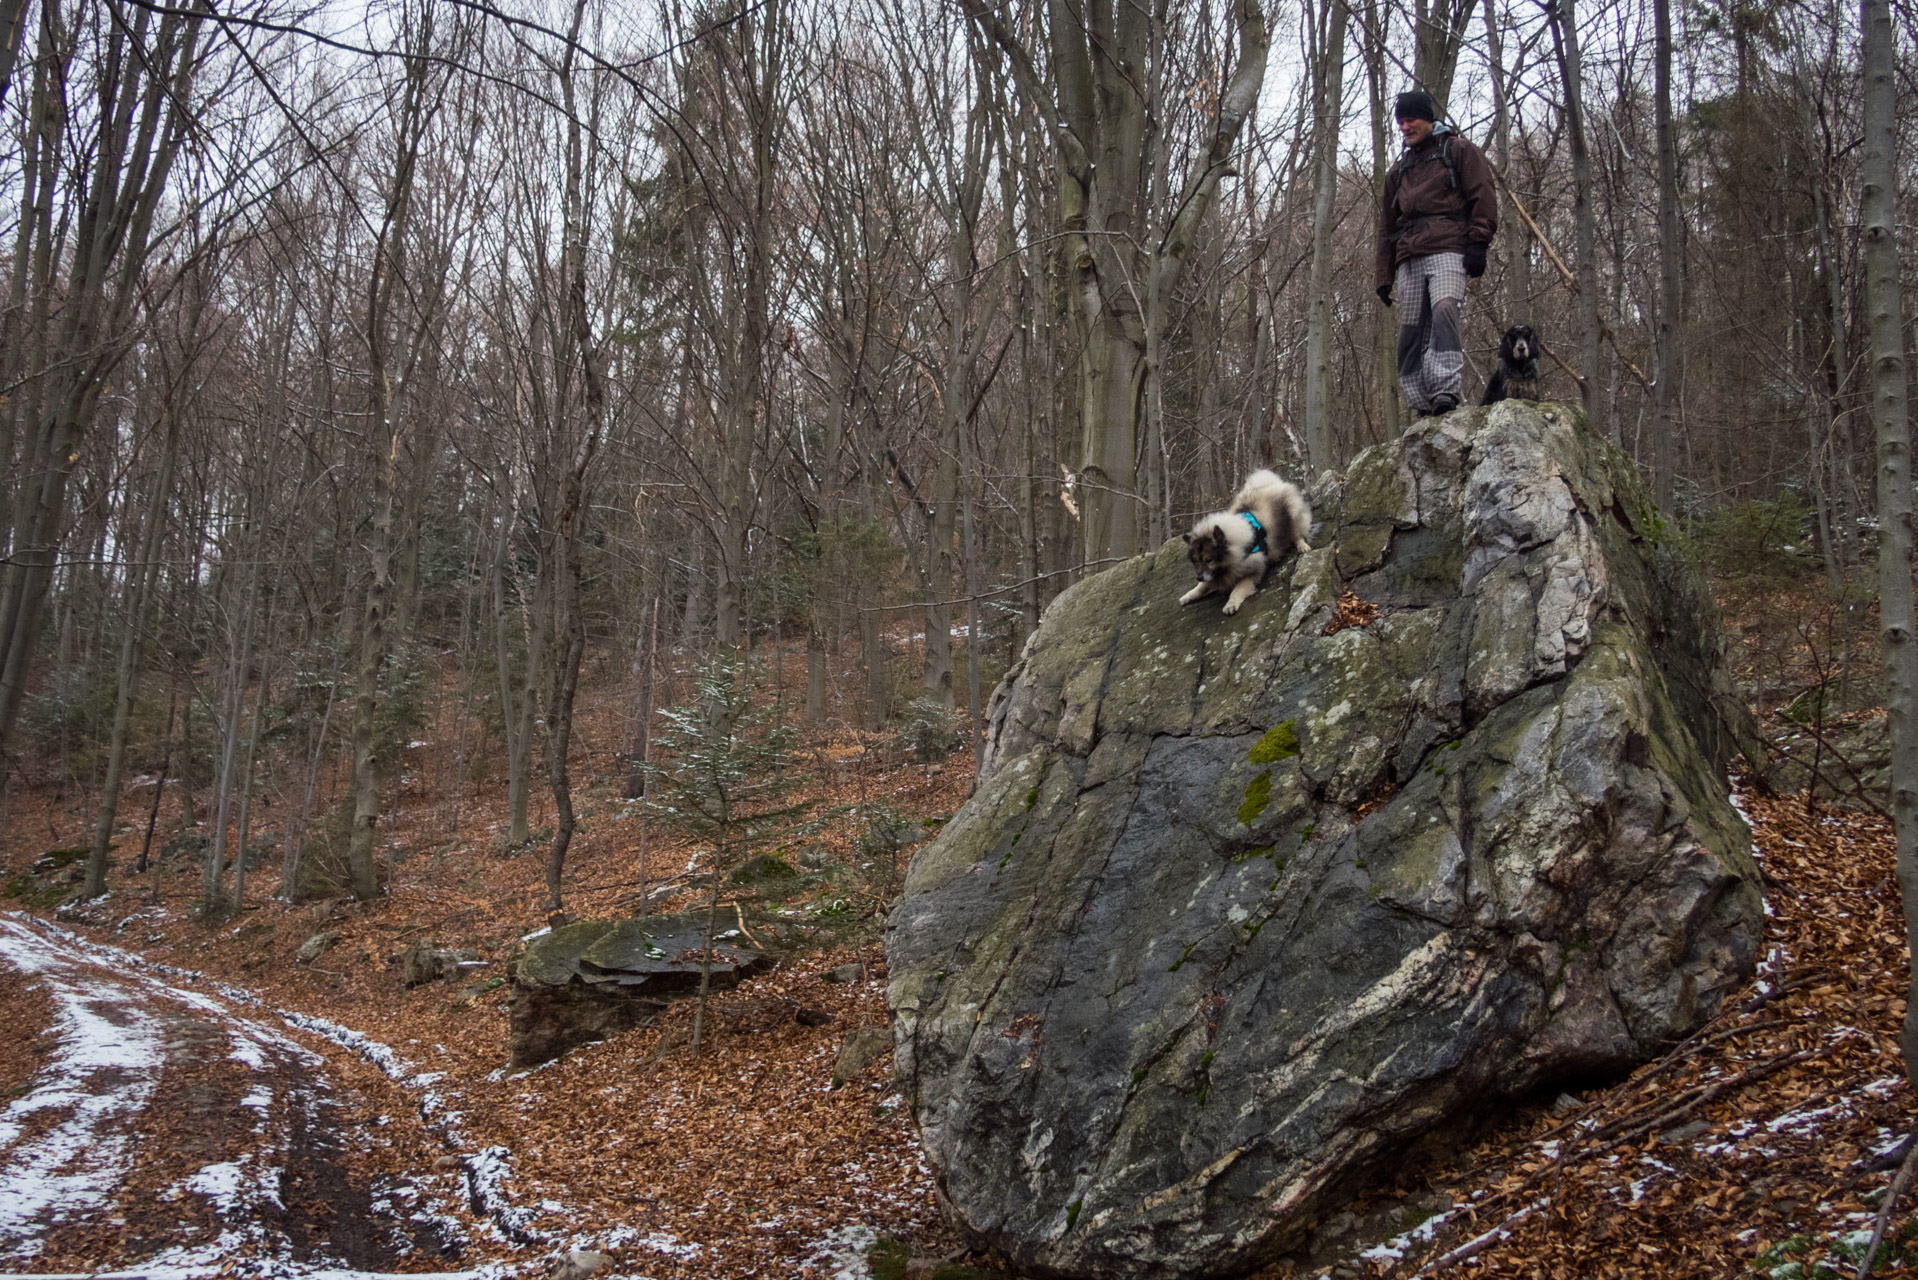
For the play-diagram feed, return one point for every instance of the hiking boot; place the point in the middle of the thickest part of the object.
(1444, 403)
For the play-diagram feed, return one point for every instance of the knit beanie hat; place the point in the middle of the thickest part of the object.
(1416, 105)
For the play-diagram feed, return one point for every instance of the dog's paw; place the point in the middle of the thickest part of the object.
(1232, 607)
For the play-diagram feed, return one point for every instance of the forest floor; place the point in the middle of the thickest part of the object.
(1762, 1146)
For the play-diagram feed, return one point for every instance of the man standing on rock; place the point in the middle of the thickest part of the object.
(1441, 212)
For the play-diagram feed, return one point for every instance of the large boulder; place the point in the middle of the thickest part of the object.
(587, 981)
(1247, 908)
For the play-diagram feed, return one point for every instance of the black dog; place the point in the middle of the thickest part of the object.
(1517, 373)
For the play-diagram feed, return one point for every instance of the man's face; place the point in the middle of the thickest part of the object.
(1414, 131)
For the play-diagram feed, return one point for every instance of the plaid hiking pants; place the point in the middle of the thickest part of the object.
(1430, 291)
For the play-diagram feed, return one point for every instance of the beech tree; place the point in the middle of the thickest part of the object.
(1094, 103)
(88, 225)
(1898, 624)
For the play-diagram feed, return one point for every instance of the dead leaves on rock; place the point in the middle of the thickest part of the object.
(1755, 1144)
(1351, 611)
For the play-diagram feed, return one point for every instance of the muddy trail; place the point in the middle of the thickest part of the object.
(165, 1126)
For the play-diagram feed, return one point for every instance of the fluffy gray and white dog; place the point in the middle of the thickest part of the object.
(1230, 550)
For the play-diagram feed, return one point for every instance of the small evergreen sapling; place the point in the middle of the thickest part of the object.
(718, 777)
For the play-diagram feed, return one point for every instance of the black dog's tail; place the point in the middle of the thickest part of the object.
(1495, 389)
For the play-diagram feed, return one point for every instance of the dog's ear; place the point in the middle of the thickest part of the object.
(1218, 537)
(1187, 537)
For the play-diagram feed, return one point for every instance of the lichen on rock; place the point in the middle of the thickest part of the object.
(1241, 911)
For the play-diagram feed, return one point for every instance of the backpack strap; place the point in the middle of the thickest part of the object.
(1443, 155)
(1407, 162)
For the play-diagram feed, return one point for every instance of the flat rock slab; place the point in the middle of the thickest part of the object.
(596, 978)
(1246, 909)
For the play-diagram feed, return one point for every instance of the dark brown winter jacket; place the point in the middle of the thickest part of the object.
(1425, 212)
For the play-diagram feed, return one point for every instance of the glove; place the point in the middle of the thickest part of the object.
(1385, 292)
(1475, 260)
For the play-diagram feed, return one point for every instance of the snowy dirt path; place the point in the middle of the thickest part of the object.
(167, 1131)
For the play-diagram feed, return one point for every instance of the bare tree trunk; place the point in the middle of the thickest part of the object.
(1328, 74)
(383, 288)
(141, 125)
(294, 857)
(580, 349)
(145, 574)
(1564, 24)
(239, 666)
(1098, 114)
(13, 27)
(959, 184)
(642, 753)
(1667, 357)
(1385, 332)
(516, 717)
(940, 554)
(572, 636)
(706, 952)
(1827, 418)
(1438, 34)
(159, 785)
(244, 824)
(1151, 515)
(1511, 229)
(1890, 419)
(372, 661)
(975, 712)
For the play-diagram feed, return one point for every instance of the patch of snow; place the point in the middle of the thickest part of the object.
(485, 1173)
(841, 1252)
(1638, 1186)
(670, 1245)
(247, 1051)
(1394, 1249)
(1806, 1120)
(102, 1071)
(220, 1183)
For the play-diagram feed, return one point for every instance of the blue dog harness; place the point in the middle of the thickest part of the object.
(1258, 533)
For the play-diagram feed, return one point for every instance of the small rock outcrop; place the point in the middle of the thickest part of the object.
(861, 1049)
(596, 978)
(317, 945)
(424, 961)
(1246, 908)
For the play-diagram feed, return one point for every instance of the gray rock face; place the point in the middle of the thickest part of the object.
(1246, 907)
(317, 945)
(423, 962)
(596, 978)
